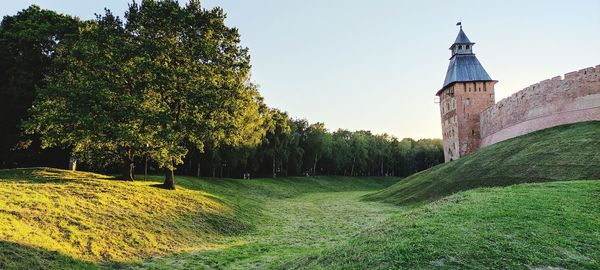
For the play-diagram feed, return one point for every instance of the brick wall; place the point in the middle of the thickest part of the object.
(553, 102)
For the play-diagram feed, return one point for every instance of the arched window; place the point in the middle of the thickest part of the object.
(467, 47)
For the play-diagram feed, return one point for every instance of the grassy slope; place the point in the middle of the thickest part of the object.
(294, 227)
(527, 226)
(51, 218)
(561, 153)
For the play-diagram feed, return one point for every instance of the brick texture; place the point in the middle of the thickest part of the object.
(460, 106)
(556, 101)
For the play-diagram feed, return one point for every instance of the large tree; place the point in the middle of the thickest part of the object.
(170, 78)
(93, 102)
(199, 81)
(28, 41)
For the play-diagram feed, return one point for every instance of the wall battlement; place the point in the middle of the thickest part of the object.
(552, 102)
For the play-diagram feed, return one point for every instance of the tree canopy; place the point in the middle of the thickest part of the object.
(29, 41)
(169, 79)
(169, 84)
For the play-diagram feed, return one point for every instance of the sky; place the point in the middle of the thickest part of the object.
(376, 65)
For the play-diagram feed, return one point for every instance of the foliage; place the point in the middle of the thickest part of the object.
(295, 147)
(529, 226)
(559, 153)
(90, 102)
(170, 79)
(29, 41)
(171, 85)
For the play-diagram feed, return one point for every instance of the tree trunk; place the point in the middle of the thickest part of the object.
(198, 170)
(352, 170)
(72, 164)
(169, 179)
(128, 166)
(274, 173)
(315, 166)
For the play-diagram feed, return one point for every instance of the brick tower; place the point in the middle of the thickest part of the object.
(467, 91)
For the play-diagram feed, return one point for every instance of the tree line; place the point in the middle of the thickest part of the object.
(168, 85)
(295, 147)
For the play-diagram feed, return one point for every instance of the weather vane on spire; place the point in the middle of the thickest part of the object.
(459, 23)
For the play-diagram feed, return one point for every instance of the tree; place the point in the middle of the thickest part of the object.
(277, 139)
(170, 78)
(199, 87)
(28, 41)
(359, 150)
(317, 144)
(93, 102)
(341, 151)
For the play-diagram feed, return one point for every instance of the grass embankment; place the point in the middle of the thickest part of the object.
(561, 153)
(294, 227)
(56, 219)
(529, 226)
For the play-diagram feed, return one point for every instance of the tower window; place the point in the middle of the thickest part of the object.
(467, 47)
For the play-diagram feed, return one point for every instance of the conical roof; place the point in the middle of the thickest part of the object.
(465, 68)
(462, 38)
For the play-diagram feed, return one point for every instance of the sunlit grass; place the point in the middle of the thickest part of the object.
(57, 219)
(88, 217)
(292, 228)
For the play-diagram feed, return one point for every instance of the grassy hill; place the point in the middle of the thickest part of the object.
(553, 225)
(57, 219)
(561, 153)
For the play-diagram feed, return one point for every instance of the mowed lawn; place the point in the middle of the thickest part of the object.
(56, 219)
(294, 227)
(543, 226)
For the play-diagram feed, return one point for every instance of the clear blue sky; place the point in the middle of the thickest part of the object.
(376, 65)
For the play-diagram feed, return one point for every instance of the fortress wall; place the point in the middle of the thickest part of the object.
(552, 102)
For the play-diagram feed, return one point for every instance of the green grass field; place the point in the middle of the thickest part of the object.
(557, 154)
(56, 219)
(529, 226)
(445, 218)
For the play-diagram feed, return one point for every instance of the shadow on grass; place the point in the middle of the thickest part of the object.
(16, 256)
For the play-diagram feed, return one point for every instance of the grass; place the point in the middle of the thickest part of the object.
(560, 153)
(449, 217)
(529, 226)
(293, 227)
(56, 219)
(90, 218)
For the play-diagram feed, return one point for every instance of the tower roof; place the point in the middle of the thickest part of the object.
(464, 66)
(462, 38)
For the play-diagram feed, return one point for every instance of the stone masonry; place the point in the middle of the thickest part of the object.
(553, 102)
